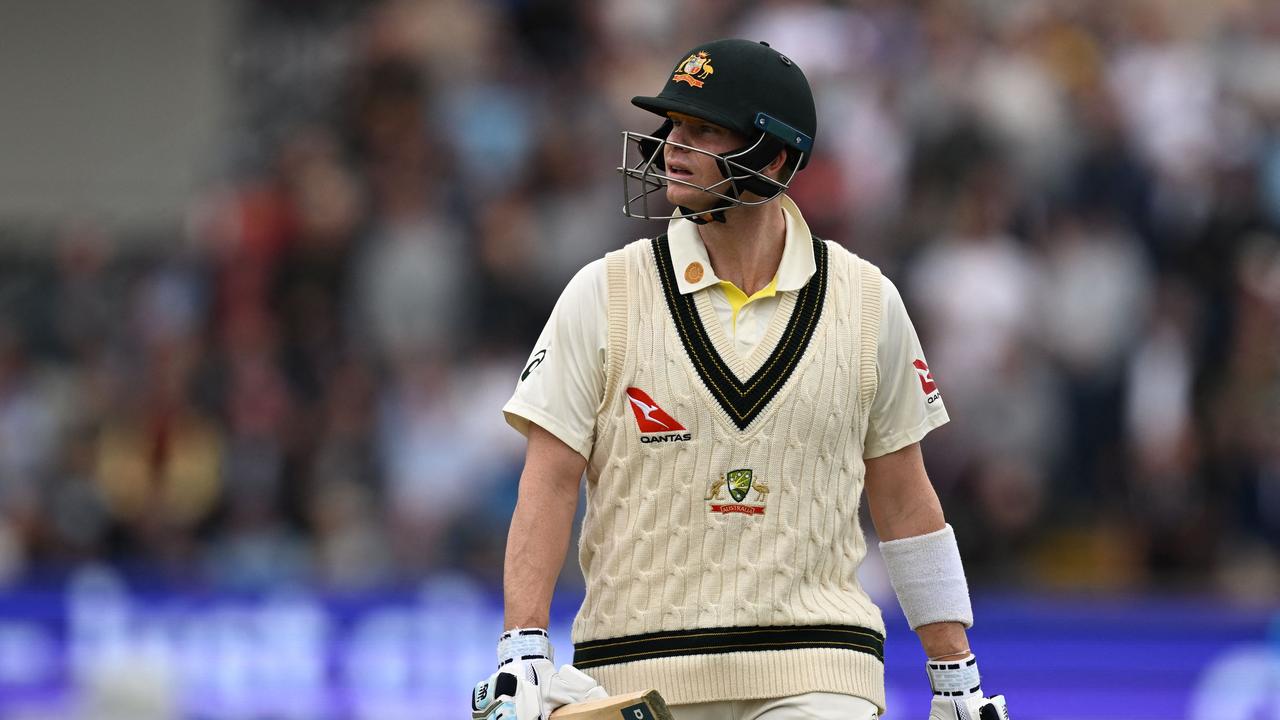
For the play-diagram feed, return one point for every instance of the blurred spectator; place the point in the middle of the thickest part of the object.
(1166, 500)
(1094, 298)
(1167, 90)
(975, 288)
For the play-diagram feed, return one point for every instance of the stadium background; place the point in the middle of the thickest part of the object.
(269, 269)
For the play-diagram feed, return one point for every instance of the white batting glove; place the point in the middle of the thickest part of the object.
(532, 688)
(957, 692)
(501, 697)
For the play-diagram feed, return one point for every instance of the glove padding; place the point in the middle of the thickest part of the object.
(974, 707)
(531, 690)
(501, 698)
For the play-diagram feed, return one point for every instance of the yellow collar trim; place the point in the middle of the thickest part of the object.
(738, 299)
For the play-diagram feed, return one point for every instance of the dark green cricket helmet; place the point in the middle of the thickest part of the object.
(745, 86)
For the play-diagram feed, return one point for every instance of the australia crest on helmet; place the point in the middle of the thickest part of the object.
(694, 69)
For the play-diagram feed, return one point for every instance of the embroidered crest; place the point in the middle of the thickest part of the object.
(740, 483)
(695, 69)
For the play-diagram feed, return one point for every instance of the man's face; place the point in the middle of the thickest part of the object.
(693, 167)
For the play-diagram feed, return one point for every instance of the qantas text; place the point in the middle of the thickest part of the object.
(673, 437)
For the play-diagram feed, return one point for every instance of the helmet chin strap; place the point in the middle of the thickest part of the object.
(701, 219)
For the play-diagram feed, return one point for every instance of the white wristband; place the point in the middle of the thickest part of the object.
(955, 678)
(928, 578)
(524, 644)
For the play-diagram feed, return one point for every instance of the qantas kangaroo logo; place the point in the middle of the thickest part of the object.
(653, 419)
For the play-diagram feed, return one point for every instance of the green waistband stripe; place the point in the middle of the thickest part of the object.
(714, 641)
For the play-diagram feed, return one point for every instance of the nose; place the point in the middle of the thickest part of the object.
(670, 151)
(677, 136)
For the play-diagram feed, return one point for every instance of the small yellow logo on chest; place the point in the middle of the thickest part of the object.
(693, 273)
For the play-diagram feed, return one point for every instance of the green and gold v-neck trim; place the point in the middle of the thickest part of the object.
(743, 400)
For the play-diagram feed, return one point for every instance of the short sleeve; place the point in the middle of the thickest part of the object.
(907, 403)
(562, 383)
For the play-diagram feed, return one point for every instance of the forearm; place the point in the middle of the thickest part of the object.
(940, 640)
(536, 547)
(904, 505)
(540, 529)
(901, 499)
(943, 640)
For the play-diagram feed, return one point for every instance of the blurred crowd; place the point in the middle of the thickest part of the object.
(1079, 199)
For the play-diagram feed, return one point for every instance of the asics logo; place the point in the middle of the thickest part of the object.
(534, 362)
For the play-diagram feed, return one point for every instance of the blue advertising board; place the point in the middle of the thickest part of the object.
(99, 649)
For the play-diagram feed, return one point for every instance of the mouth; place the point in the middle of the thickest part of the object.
(678, 170)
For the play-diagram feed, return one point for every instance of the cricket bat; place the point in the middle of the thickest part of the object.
(646, 705)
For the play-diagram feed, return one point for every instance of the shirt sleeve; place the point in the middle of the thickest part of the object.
(561, 385)
(908, 403)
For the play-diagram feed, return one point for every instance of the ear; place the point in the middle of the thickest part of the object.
(776, 164)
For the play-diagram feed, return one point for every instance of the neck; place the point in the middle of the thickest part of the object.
(746, 248)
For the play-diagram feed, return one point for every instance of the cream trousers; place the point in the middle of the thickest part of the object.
(810, 706)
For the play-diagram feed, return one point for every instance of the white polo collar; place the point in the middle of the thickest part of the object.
(692, 266)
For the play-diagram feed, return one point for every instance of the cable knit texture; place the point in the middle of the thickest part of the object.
(659, 556)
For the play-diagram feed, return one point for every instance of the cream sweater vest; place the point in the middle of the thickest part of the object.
(720, 544)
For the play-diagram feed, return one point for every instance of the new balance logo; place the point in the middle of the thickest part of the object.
(653, 419)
